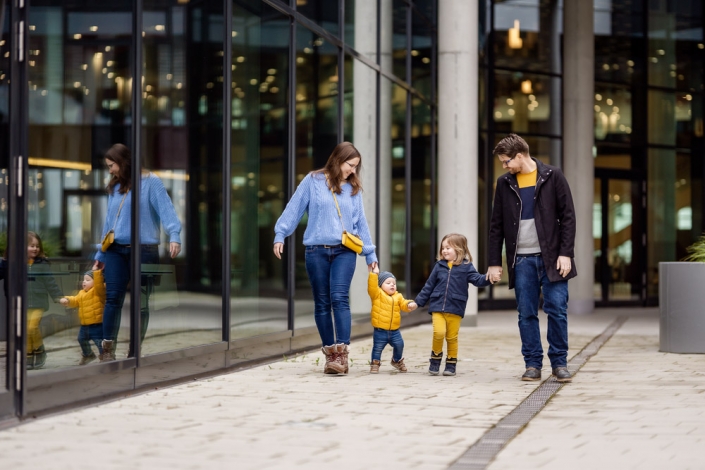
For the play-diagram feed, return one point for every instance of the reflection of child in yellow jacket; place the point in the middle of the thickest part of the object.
(387, 305)
(90, 302)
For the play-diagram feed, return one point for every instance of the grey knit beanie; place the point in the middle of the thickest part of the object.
(383, 276)
(88, 273)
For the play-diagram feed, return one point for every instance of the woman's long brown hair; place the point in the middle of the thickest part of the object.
(120, 155)
(342, 152)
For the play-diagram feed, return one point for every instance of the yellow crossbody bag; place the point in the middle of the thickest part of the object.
(350, 241)
(109, 237)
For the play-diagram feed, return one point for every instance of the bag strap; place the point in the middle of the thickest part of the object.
(336, 203)
(118, 212)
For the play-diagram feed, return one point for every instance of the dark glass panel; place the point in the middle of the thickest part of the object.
(259, 130)
(182, 108)
(316, 136)
(527, 35)
(322, 12)
(527, 103)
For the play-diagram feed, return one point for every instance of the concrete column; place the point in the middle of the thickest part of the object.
(365, 135)
(578, 140)
(458, 128)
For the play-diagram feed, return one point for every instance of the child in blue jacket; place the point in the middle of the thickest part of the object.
(446, 292)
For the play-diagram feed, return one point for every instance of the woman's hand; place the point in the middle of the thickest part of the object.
(98, 266)
(278, 250)
(372, 266)
(174, 249)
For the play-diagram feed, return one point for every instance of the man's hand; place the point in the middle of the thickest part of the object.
(563, 265)
(278, 250)
(494, 274)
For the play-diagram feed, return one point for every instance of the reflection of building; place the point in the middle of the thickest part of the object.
(239, 99)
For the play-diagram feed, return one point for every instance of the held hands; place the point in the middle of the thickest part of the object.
(563, 265)
(412, 306)
(494, 274)
(64, 301)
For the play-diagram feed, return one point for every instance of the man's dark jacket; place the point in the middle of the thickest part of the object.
(554, 215)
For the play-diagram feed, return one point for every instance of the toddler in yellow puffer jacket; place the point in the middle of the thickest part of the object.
(90, 302)
(387, 305)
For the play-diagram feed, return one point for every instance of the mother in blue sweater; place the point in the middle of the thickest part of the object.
(329, 264)
(156, 209)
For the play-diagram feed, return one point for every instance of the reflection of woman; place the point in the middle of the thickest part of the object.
(155, 208)
(330, 265)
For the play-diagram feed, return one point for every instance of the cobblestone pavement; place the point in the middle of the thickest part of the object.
(630, 406)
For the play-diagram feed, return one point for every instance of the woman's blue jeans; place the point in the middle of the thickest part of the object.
(381, 338)
(330, 270)
(117, 276)
(530, 280)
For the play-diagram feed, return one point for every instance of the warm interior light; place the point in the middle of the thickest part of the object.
(526, 87)
(513, 38)
(51, 163)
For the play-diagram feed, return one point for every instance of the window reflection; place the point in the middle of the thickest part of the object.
(613, 113)
(182, 96)
(316, 136)
(527, 35)
(79, 105)
(259, 130)
(527, 103)
(398, 186)
(5, 46)
(421, 249)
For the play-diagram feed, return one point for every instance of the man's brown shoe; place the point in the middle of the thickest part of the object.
(532, 374)
(562, 374)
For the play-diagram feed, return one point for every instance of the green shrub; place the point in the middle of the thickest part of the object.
(696, 251)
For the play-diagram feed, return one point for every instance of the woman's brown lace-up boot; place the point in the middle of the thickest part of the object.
(342, 350)
(333, 365)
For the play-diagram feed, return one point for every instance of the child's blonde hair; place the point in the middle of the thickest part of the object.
(460, 244)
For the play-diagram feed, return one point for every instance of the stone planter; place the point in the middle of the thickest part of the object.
(682, 307)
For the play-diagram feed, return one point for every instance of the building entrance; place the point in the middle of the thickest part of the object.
(619, 235)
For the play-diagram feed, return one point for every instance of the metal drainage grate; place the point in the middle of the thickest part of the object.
(480, 454)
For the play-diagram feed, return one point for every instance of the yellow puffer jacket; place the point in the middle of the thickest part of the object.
(386, 309)
(90, 304)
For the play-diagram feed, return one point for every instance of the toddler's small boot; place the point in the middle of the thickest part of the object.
(435, 367)
(40, 357)
(450, 366)
(399, 365)
(86, 359)
(374, 366)
(30, 361)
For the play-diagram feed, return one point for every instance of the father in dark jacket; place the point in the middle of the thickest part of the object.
(533, 215)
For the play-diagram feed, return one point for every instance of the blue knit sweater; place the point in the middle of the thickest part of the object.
(155, 208)
(324, 228)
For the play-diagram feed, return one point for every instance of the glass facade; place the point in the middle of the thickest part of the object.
(225, 106)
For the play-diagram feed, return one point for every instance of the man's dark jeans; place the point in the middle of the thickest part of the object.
(531, 280)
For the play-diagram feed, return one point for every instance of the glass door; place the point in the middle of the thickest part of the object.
(618, 238)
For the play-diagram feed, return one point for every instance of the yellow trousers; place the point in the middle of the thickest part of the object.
(445, 326)
(34, 336)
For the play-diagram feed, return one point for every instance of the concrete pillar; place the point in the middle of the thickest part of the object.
(365, 135)
(578, 141)
(458, 128)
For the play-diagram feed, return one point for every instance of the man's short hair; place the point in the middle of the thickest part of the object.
(510, 146)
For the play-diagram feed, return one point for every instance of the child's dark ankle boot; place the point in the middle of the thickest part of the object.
(435, 366)
(450, 366)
